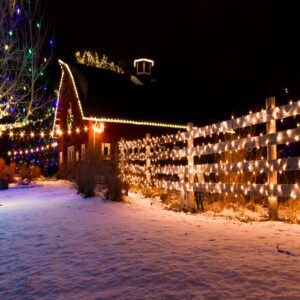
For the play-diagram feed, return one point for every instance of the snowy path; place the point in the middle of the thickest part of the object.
(56, 245)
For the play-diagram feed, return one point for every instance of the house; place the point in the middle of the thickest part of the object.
(99, 107)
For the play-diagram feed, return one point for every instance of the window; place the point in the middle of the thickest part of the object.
(140, 67)
(83, 152)
(60, 157)
(71, 155)
(106, 150)
(147, 68)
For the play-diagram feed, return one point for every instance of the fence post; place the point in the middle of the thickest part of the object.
(121, 154)
(191, 195)
(272, 154)
(121, 163)
(182, 192)
(148, 161)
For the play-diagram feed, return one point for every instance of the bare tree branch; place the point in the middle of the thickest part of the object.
(25, 55)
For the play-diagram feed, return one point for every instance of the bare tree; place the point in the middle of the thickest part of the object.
(25, 54)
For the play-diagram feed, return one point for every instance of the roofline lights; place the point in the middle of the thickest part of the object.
(143, 60)
(109, 120)
(132, 122)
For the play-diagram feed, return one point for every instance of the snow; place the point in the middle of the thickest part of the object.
(56, 245)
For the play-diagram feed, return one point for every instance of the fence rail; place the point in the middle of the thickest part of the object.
(170, 161)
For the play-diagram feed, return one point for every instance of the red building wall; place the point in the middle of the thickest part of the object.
(112, 133)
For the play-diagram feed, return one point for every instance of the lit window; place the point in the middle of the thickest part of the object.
(83, 152)
(71, 155)
(60, 158)
(140, 67)
(106, 150)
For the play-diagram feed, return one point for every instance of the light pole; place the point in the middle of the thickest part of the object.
(98, 129)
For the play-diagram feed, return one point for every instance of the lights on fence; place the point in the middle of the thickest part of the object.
(133, 154)
(263, 116)
(283, 137)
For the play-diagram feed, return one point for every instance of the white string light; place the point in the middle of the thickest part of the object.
(95, 119)
(133, 155)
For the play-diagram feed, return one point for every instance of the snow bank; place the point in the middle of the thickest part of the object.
(56, 245)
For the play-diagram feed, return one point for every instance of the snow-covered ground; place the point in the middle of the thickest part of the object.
(56, 245)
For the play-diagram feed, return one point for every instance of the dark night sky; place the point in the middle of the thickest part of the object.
(219, 56)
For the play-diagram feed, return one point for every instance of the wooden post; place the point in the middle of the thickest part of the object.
(182, 192)
(148, 161)
(121, 162)
(272, 154)
(191, 195)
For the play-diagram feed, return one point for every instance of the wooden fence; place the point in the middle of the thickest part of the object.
(193, 161)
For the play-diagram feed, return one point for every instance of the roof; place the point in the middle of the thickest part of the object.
(110, 95)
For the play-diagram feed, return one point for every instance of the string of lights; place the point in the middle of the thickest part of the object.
(27, 53)
(32, 150)
(267, 190)
(42, 133)
(282, 137)
(18, 125)
(140, 159)
(278, 113)
(93, 59)
(65, 68)
(255, 167)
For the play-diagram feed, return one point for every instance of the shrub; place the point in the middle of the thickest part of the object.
(95, 170)
(24, 171)
(34, 172)
(7, 171)
(66, 171)
(86, 172)
(112, 179)
(2, 169)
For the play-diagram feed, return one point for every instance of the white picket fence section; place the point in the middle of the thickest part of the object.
(146, 161)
